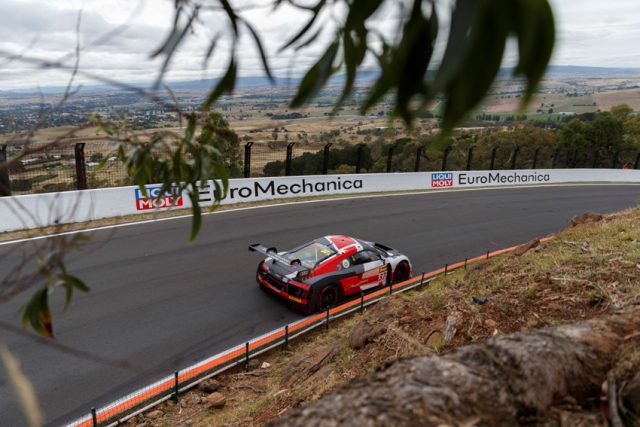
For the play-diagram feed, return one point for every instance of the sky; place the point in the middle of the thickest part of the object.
(117, 37)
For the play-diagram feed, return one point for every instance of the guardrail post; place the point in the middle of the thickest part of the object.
(94, 417)
(595, 159)
(5, 182)
(555, 159)
(535, 159)
(287, 168)
(514, 157)
(247, 159)
(81, 170)
(176, 388)
(422, 280)
(614, 161)
(487, 254)
(637, 163)
(359, 157)
(246, 356)
(390, 288)
(286, 337)
(493, 158)
(445, 156)
(361, 302)
(327, 321)
(446, 269)
(325, 159)
(389, 158)
(418, 157)
(469, 158)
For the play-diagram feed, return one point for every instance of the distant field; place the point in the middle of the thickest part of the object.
(608, 99)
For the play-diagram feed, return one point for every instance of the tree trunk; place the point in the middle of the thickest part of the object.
(497, 382)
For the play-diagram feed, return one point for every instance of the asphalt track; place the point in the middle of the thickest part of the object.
(163, 304)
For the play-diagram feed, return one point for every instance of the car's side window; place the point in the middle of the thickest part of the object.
(364, 257)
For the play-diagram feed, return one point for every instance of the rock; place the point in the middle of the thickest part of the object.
(435, 340)
(479, 299)
(153, 415)
(631, 395)
(450, 327)
(523, 249)
(586, 218)
(215, 400)
(209, 386)
(297, 370)
(254, 364)
(364, 332)
(265, 365)
(490, 323)
(405, 319)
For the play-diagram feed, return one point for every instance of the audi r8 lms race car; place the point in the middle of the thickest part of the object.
(320, 273)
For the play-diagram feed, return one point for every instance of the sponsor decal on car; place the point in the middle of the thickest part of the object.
(441, 179)
(155, 200)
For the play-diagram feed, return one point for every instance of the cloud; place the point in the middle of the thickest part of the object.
(589, 33)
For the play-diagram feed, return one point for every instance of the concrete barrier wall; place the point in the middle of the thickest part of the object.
(40, 210)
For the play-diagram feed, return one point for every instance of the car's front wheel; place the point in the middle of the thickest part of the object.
(329, 296)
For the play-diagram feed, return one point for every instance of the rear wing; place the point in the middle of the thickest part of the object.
(272, 253)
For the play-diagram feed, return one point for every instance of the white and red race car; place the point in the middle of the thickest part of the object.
(320, 273)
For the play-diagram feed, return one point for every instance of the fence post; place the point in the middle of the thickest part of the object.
(359, 158)
(535, 159)
(446, 269)
(493, 158)
(418, 156)
(422, 280)
(247, 159)
(469, 158)
(176, 389)
(246, 356)
(361, 302)
(5, 183)
(614, 162)
(286, 337)
(327, 322)
(514, 157)
(94, 417)
(81, 170)
(555, 159)
(445, 156)
(637, 163)
(325, 159)
(595, 159)
(389, 158)
(287, 167)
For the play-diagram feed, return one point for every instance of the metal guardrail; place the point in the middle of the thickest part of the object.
(170, 387)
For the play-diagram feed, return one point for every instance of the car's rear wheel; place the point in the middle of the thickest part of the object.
(329, 296)
(401, 273)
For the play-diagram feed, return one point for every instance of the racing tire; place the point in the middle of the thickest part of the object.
(401, 273)
(329, 296)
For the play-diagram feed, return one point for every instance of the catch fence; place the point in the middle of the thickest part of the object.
(81, 166)
(171, 386)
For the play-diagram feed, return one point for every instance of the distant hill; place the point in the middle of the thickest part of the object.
(364, 76)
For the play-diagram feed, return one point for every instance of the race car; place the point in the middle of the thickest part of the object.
(321, 273)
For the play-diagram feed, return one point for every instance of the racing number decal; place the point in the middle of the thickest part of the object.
(382, 274)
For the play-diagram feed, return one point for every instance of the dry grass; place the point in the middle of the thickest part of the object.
(586, 271)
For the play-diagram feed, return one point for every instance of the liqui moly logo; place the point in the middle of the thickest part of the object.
(441, 179)
(155, 200)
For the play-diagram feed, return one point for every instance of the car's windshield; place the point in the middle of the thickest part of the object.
(311, 254)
